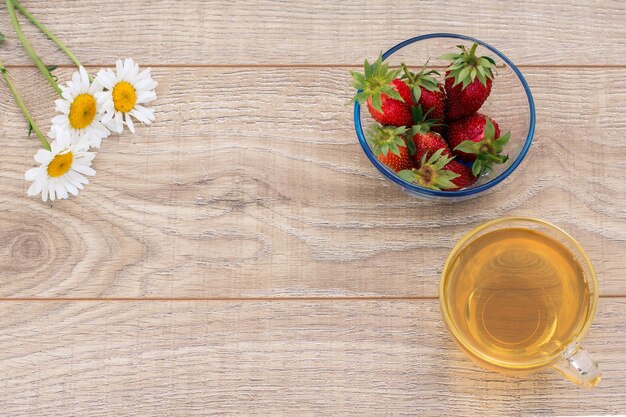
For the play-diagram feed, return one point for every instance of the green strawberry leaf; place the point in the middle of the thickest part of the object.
(359, 79)
(449, 57)
(367, 68)
(384, 149)
(502, 140)
(398, 141)
(481, 76)
(376, 103)
(483, 61)
(468, 146)
(393, 93)
(444, 179)
(477, 167)
(411, 146)
(435, 156)
(417, 93)
(2, 37)
(407, 175)
(490, 130)
(490, 60)
(394, 149)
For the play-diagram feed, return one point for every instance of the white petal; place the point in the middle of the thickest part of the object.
(62, 105)
(60, 119)
(129, 122)
(95, 87)
(84, 169)
(104, 78)
(143, 114)
(128, 68)
(100, 130)
(63, 139)
(35, 188)
(119, 125)
(76, 179)
(146, 84)
(76, 80)
(84, 79)
(44, 156)
(67, 94)
(145, 74)
(33, 173)
(61, 191)
(119, 67)
(71, 188)
(106, 118)
(44, 191)
(146, 96)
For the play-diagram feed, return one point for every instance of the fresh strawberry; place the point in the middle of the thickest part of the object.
(468, 82)
(389, 99)
(465, 178)
(389, 146)
(470, 128)
(424, 140)
(431, 172)
(428, 93)
(477, 138)
(427, 144)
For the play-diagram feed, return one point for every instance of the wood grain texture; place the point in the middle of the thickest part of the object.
(251, 188)
(251, 183)
(288, 32)
(275, 358)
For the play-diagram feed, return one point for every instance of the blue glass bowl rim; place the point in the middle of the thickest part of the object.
(436, 193)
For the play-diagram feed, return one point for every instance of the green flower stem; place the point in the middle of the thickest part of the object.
(18, 30)
(49, 34)
(22, 106)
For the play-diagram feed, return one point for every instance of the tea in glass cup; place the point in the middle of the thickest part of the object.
(518, 294)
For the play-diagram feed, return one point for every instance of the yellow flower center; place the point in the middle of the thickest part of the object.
(124, 96)
(60, 164)
(82, 111)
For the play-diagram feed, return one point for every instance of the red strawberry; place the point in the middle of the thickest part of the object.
(427, 144)
(424, 140)
(394, 112)
(389, 99)
(468, 82)
(477, 138)
(428, 93)
(431, 172)
(470, 128)
(465, 178)
(389, 146)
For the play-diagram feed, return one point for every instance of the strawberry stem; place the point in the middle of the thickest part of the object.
(473, 49)
(408, 73)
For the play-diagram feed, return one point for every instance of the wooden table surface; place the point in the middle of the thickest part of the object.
(241, 255)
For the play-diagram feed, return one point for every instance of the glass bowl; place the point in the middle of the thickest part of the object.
(510, 104)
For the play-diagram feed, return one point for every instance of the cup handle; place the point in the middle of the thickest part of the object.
(578, 366)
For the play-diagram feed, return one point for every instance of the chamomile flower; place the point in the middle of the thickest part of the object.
(62, 170)
(127, 91)
(80, 111)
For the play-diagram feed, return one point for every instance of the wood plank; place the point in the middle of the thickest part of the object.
(275, 358)
(251, 184)
(288, 32)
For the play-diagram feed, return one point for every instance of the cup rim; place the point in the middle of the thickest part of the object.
(390, 175)
(593, 282)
